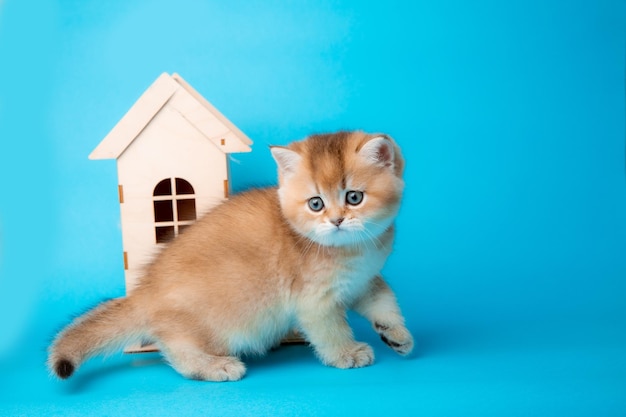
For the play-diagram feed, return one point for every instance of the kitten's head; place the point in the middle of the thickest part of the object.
(340, 189)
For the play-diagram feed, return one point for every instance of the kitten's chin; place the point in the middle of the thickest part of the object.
(338, 238)
(361, 235)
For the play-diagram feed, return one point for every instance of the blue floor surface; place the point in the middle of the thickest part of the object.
(546, 368)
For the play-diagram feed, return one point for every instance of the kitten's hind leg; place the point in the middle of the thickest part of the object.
(194, 361)
(380, 307)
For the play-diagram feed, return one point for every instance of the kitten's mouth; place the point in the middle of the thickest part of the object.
(338, 236)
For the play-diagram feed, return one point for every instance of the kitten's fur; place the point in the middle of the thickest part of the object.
(263, 263)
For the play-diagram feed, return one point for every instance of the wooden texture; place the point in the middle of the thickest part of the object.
(170, 132)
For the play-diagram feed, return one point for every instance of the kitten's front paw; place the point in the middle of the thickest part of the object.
(356, 355)
(220, 369)
(396, 337)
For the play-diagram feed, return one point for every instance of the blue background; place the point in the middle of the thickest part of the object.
(510, 262)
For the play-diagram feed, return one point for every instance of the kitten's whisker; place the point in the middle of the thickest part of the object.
(317, 255)
(379, 225)
(366, 239)
(373, 238)
(309, 243)
(359, 240)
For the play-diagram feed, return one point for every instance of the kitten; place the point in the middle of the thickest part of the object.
(264, 262)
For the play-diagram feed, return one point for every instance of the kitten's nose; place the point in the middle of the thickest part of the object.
(337, 221)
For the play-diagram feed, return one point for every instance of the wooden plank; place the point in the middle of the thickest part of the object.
(243, 138)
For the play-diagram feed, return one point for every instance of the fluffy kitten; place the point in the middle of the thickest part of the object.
(264, 262)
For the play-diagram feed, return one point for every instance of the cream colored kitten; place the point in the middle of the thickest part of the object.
(264, 262)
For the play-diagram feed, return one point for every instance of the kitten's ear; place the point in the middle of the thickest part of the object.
(379, 151)
(286, 159)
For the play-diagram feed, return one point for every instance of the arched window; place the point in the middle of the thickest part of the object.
(174, 208)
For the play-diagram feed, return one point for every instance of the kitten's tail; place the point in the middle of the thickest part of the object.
(106, 328)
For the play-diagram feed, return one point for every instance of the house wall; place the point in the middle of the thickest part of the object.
(168, 147)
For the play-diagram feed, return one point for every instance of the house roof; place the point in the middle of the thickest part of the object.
(189, 103)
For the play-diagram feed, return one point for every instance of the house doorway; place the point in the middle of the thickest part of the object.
(174, 208)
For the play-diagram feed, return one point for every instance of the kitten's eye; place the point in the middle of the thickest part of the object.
(354, 198)
(316, 204)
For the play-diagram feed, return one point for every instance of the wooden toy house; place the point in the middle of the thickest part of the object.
(172, 151)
